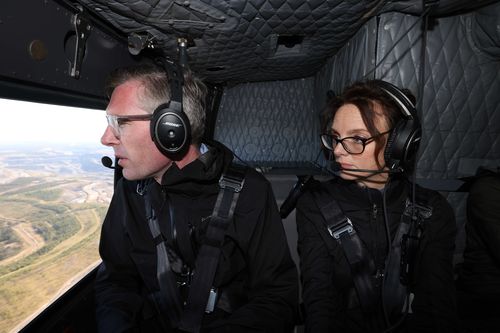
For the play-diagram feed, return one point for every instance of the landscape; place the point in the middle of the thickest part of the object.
(53, 200)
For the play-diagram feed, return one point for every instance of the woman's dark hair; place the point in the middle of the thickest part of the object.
(364, 95)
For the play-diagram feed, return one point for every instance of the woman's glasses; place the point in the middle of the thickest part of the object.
(352, 144)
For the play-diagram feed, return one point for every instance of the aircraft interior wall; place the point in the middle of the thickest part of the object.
(459, 110)
(271, 124)
(47, 63)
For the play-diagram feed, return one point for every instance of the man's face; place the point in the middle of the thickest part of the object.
(130, 138)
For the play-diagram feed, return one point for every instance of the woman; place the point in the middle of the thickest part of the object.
(346, 226)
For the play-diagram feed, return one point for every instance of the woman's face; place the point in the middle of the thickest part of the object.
(349, 123)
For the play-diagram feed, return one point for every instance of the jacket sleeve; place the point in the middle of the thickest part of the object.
(434, 305)
(483, 209)
(321, 299)
(272, 281)
(117, 284)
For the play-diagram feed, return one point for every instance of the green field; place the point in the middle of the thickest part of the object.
(49, 232)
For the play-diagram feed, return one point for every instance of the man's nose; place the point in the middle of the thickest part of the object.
(109, 138)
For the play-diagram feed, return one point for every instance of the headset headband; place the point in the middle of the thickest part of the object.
(402, 100)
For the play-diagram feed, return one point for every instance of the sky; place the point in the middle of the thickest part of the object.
(25, 122)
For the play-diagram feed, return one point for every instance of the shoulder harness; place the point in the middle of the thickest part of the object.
(202, 296)
(400, 262)
(340, 228)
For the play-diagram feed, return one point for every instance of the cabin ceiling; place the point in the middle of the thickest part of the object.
(252, 40)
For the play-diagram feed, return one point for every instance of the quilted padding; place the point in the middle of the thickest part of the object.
(461, 106)
(253, 40)
(271, 124)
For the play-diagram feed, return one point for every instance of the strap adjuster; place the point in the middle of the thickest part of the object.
(337, 230)
(226, 182)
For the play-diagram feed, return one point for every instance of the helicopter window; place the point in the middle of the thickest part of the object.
(54, 193)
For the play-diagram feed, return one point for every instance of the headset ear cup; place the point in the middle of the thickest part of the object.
(170, 130)
(402, 145)
(390, 162)
(412, 145)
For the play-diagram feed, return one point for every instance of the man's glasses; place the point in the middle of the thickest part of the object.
(116, 122)
(352, 144)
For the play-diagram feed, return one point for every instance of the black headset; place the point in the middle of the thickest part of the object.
(170, 128)
(404, 140)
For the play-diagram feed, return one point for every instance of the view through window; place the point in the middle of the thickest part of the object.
(54, 193)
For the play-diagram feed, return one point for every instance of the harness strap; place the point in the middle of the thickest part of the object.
(400, 262)
(202, 296)
(411, 241)
(360, 261)
(394, 293)
(168, 299)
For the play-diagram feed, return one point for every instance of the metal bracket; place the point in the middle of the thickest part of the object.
(83, 27)
(137, 42)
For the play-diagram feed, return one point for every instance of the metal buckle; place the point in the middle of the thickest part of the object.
(235, 184)
(212, 299)
(337, 230)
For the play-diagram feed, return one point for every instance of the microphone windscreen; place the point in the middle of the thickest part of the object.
(107, 162)
(297, 190)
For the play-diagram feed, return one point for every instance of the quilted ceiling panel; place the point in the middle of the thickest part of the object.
(252, 40)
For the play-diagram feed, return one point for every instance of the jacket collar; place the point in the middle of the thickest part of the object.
(365, 196)
(200, 176)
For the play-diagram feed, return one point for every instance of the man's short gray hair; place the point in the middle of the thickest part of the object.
(156, 91)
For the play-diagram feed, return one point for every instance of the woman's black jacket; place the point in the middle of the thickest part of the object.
(255, 267)
(327, 283)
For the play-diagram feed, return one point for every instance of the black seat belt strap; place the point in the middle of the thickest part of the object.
(401, 260)
(411, 241)
(202, 295)
(361, 263)
(394, 293)
(168, 299)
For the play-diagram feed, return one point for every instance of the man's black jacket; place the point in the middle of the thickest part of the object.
(328, 288)
(481, 267)
(255, 264)
(479, 282)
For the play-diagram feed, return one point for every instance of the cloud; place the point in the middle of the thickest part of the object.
(33, 122)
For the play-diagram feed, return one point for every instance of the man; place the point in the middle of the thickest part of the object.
(255, 284)
(478, 284)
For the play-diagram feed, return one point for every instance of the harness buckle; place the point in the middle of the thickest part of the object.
(234, 184)
(337, 230)
(212, 300)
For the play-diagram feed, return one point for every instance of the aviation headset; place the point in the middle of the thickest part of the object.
(170, 128)
(403, 141)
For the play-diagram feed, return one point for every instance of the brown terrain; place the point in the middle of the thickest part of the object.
(30, 201)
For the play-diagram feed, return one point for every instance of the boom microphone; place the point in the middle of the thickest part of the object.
(337, 167)
(290, 202)
(107, 162)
